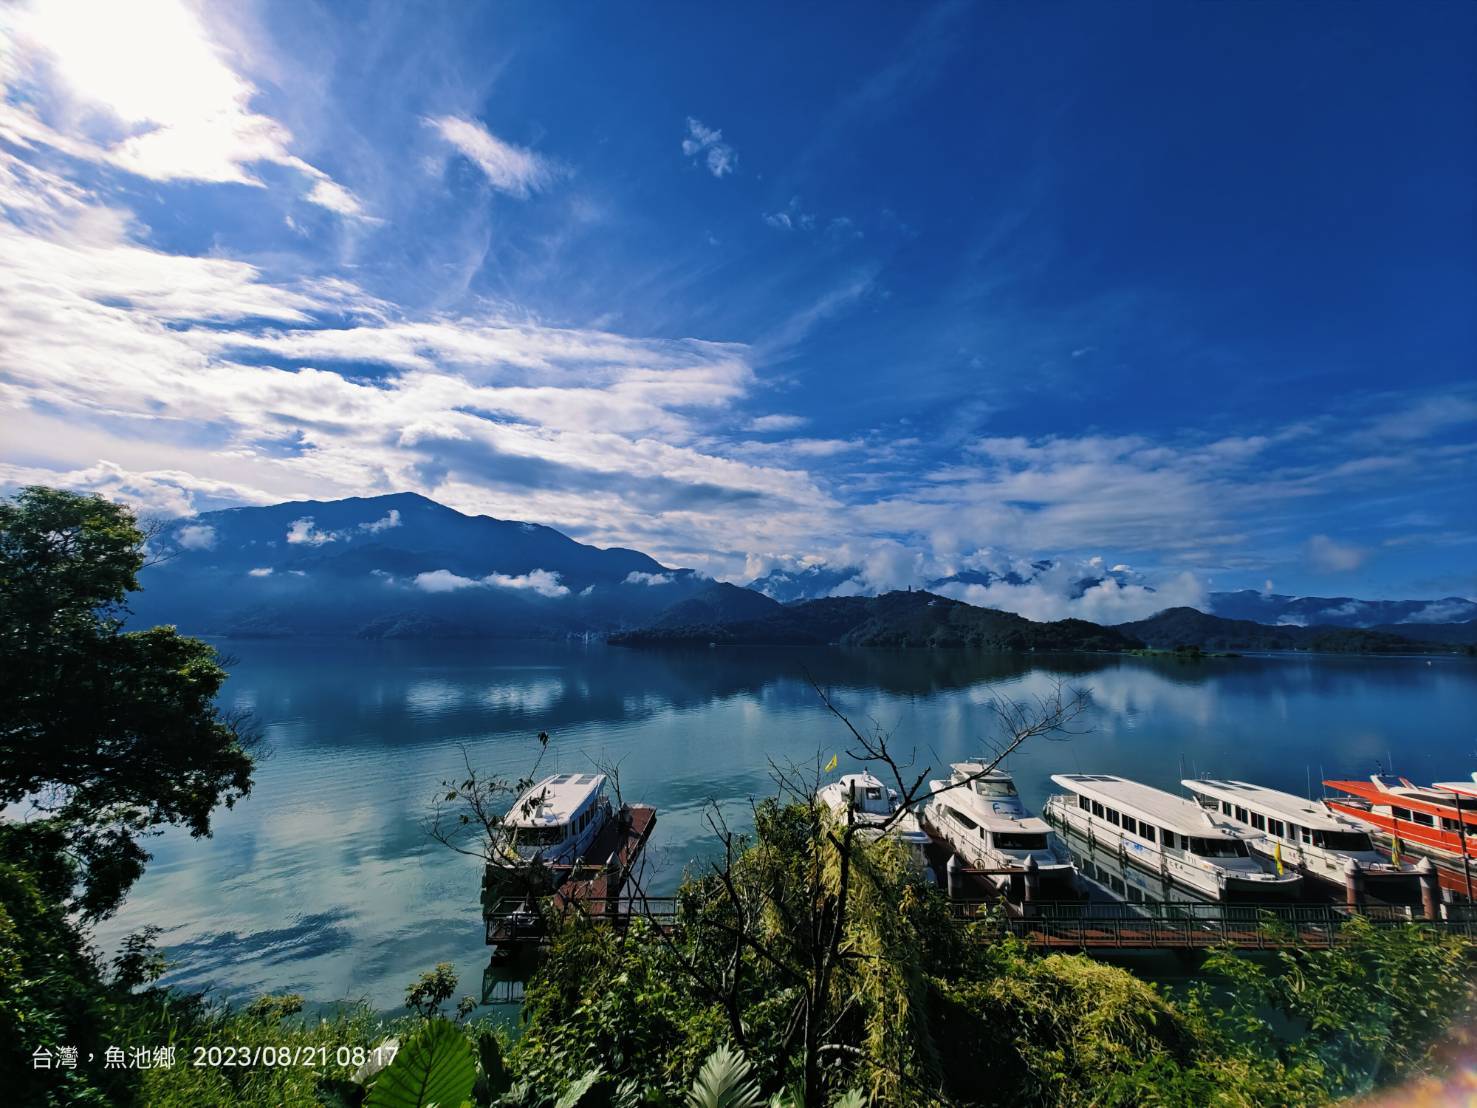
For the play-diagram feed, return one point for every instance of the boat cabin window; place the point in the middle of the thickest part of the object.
(1225, 807)
(1169, 839)
(1275, 827)
(1241, 814)
(1305, 835)
(1130, 825)
(992, 787)
(962, 818)
(1259, 821)
(1146, 831)
(1342, 840)
(1218, 848)
(1097, 809)
(1084, 803)
(1425, 819)
(541, 836)
(873, 792)
(1450, 825)
(1007, 841)
(1400, 813)
(1113, 816)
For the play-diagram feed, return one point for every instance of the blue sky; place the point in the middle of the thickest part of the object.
(1184, 287)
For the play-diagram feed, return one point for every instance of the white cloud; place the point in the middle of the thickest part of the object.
(541, 581)
(637, 578)
(508, 168)
(146, 88)
(304, 533)
(196, 536)
(260, 571)
(443, 580)
(777, 422)
(1334, 557)
(1450, 610)
(1054, 594)
(391, 519)
(707, 143)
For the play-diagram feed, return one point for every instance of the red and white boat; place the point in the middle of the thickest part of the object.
(1439, 819)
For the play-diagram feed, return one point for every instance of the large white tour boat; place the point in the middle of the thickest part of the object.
(1306, 834)
(1165, 834)
(555, 821)
(981, 816)
(872, 804)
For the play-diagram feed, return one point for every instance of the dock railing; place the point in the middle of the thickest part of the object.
(1083, 925)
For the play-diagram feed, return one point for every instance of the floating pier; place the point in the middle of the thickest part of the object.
(594, 884)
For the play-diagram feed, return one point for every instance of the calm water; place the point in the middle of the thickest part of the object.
(324, 882)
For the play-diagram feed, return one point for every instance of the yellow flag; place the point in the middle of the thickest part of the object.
(1395, 849)
(1277, 857)
(831, 764)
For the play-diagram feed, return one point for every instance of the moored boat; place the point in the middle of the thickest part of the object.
(555, 821)
(1437, 819)
(872, 805)
(981, 816)
(1167, 835)
(1303, 834)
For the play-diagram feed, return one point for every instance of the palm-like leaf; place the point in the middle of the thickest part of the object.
(434, 1068)
(724, 1082)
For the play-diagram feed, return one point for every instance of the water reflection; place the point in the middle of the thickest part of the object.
(324, 880)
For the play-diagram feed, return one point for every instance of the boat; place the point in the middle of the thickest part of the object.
(1167, 835)
(555, 821)
(1437, 819)
(871, 804)
(979, 813)
(1305, 833)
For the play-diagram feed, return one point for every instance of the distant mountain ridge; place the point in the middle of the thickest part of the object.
(404, 566)
(894, 619)
(1277, 609)
(400, 565)
(1189, 627)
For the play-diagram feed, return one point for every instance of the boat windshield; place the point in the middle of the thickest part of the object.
(539, 836)
(1219, 848)
(1007, 841)
(987, 787)
(1342, 840)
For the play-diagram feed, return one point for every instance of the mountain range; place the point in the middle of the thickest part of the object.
(821, 580)
(394, 567)
(404, 566)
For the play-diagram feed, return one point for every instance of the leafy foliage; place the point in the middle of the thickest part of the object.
(435, 1067)
(113, 734)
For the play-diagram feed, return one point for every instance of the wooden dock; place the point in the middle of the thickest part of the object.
(1103, 927)
(593, 885)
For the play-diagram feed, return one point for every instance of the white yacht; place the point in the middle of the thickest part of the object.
(555, 821)
(1165, 834)
(981, 816)
(871, 804)
(1311, 837)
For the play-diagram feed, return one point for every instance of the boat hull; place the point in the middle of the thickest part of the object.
(1216, 884)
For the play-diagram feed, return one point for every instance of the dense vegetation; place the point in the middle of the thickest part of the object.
(808, 967)
(895, 619)
(1182, 627)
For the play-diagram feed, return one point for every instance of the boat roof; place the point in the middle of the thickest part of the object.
(861, 780)
(992, 815)
(555, 799)
(1386, 789)
(1466, 788)
(1148, 803)
(1309, 813)
(977, 770)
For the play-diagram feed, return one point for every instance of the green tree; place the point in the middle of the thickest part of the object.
(106, 735)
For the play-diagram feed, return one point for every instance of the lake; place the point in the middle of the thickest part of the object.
(324, 881)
